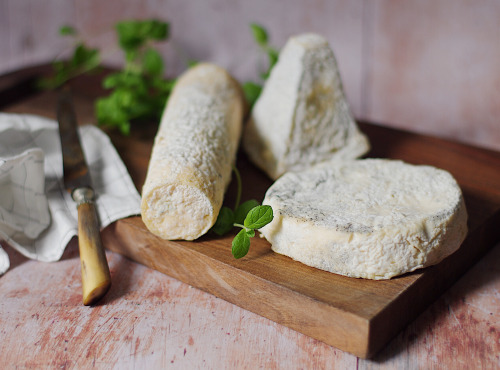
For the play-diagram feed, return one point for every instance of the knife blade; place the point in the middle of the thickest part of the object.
(96, 279)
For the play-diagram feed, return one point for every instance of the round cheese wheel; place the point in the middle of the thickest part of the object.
(371, 218)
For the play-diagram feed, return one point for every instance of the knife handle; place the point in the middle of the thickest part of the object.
(96, 279)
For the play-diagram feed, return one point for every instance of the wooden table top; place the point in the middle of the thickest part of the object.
(150, 320)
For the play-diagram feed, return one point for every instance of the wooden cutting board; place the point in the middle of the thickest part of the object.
(355, 315)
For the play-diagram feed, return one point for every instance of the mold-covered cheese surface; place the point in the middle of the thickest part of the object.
(302, 116)
(371, 218)
(193, 153)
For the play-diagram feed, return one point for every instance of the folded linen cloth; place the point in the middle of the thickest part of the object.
(38, 217)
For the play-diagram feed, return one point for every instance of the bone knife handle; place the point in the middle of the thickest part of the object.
(96, 279)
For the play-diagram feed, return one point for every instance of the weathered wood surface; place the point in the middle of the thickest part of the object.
(356, 315)
(41, 311)
(429, 66)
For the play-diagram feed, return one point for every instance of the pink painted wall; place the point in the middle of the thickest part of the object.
(426, 66)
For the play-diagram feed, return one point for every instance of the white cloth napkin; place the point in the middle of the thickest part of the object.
(37, 215)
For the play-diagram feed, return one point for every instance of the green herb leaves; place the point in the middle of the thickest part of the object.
(132, 34)
(243, 209)
(228, 218)
(67, 30)
(84, 59)
(252, 90)
(225, 221)
(256, 218)
(259, 34)
(241, 244)
(251, 219)
(139, 91)
(262, 39)
(249, 215)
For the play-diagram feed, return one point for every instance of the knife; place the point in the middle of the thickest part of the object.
(96, 279)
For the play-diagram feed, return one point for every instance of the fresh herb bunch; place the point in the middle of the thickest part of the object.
(249, 216)
(251, 89)
(83, 60)
(139, 91)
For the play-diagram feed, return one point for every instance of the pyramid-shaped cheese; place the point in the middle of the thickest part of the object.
(302, 117)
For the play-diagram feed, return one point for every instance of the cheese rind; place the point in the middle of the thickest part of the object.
(302, 117)
(370, 218)
(193, 152)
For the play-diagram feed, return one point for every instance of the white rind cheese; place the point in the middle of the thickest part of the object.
(302, 116)
(369, 218)
(193, 152)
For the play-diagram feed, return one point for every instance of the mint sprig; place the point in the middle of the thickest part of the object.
(83, 60)
(240, 244)
(139, 91)
(249, 216)
(256, 218)
(224, 222)
(241, 212)
(252, 90)
(261, 37)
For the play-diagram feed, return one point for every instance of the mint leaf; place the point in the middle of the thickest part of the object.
(153, 63)
(259, 34)
(249, 215)
(83, 60)
(110, 112)
(84, 57)
(139, 90)
(225, 221)
(192, 63)
(241, 212)
(111, 81)
(252, 92)
(67, 30)
(240, 244)
(250, 233)
(272, 55)
(132, 34)
(156, 29)
(258, 217)
(163, 86)
(132, 56)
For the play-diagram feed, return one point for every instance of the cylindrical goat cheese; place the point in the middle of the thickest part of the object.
(193, 154)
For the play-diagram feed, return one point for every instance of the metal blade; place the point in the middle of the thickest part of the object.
(76, 171)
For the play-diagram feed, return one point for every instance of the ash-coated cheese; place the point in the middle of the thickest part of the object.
(372, 218)
(302, 117)
(193, 153)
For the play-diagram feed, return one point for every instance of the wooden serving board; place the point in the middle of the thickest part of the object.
(355, 315)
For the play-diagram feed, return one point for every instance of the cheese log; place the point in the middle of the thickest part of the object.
(302, 117)
(193, 151)
(371, 218)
